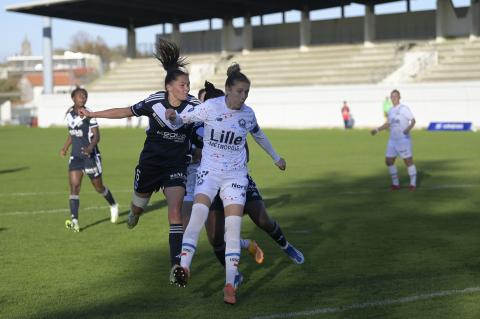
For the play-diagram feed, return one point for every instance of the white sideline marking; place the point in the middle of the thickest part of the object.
(49, 211)
(371, 304)
(368, 191)
(422, 188)
(51, 193)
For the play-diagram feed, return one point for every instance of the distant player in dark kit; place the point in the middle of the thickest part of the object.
(84, 136)
(163, 161)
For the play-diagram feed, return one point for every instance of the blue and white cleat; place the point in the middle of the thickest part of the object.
(238, 280)
(294, 254)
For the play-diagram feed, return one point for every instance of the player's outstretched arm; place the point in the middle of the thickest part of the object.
(66, 146)
(264, 143)
(384, 126)
(115, 113)
(281, 164)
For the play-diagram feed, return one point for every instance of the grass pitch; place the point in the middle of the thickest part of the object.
(370, 253)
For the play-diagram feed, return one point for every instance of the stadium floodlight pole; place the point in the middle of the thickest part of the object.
(47, 56)
(475, 19)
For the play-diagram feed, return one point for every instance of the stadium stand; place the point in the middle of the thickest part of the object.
(146, 74)
(326, 64)
(457, 60)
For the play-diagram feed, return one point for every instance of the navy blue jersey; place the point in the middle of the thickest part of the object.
(81, 132)
(166, 145)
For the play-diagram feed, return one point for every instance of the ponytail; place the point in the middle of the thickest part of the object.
(169, 56)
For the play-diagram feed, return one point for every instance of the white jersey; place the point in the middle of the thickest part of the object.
(399, 118)
(225, 133)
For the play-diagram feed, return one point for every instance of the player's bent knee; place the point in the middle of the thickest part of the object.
(140, 202)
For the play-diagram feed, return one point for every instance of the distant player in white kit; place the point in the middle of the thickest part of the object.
(400, 121)
(223, 167)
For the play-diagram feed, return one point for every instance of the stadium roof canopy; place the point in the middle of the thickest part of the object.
(141, 13)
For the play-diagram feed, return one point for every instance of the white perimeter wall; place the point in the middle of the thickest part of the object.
(310, 107)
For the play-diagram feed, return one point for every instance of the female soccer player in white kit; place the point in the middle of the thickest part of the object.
(223, 167)
(400, 121)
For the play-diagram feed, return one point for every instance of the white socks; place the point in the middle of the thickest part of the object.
(233, 225)
(412, 172)
(394, 174)
(190, 237)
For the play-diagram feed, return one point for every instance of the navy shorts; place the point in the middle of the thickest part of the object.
(152, 179)
(252, 194)
(91, 165)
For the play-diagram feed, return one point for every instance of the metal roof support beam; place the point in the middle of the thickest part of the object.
(369, 25)
(131, 42)
(176, 37)
(475, 16)
(247, 34)
(47, 56)
(441, 19)
(305, 30)
(227, 31)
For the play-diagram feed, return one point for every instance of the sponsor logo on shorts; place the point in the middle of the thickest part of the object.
(238, 186)
(178, 176)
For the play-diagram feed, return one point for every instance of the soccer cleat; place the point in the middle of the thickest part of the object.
(412, 188)
(255, 251)
(72, 225)
(179, 276)
(294, 254)
(229, 295)
(394, 187)
(238, 280)
(114, 213)
(132, 220)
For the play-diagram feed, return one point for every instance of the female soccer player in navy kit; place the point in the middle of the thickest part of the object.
(163, 161)
(223, 167)
(83, 136)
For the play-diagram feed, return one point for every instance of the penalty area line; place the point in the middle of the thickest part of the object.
(50, 211)
(371, 304)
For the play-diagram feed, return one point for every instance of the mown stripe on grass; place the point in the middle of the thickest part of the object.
(371, 304)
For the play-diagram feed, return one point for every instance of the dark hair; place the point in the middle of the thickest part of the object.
(395, 91)
(211, 91)
(169, 55)
(200, 92)
(234, 74)
(78, 89)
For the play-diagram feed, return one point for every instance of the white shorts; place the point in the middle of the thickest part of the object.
(190, 184)
(402, 148)
(232, 185)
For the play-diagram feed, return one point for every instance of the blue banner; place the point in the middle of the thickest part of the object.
(450, 126)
